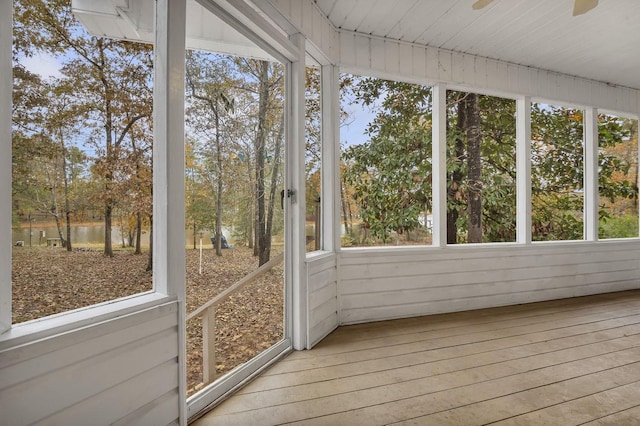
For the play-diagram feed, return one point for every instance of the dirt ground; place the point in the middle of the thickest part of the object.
(47, 281)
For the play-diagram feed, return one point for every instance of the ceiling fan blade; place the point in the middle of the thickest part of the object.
(583, 6)
(482, 3)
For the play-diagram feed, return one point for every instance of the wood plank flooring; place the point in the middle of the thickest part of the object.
(563, 362)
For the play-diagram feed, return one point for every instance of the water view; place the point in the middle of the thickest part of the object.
(93, 234)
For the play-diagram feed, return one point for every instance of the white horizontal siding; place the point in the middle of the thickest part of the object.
(322, 298)
(304, 17)
(390, 58)
(115, 371)
(382, 284)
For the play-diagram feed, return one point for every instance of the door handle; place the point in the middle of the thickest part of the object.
(290, 194)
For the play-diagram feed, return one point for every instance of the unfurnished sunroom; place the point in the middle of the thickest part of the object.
(388, 160)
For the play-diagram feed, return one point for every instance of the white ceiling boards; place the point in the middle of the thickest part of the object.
(133, 20)
(602, 44)
(534, 48)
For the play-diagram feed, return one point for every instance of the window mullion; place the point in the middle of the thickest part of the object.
(330, 159)
(523, 170)
(439, 154)
(168, 161)
(6, 84)
(591, 192)
(295, 215)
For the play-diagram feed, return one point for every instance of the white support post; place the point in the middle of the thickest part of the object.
(6, 87)
(168, 160)
(330, 159)
(168, 169)
(523, 170)
(591, 191)
(296, 239)
(439, 165)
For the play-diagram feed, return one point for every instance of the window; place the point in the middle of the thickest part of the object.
(313, 158)
(235, 172)
(386, 162)
(618, 176)
(557, 170)
(82, 176)
(481, 168)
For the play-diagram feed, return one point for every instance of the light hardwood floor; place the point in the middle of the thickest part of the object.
(563, 362)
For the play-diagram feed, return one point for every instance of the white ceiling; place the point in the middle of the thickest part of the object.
(603, 44)
(133, 20)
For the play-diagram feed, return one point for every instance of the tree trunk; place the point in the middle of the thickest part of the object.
(123, 243)
(108, 249)
(55, 212)
(110, 160)
(256, 226)
(344, 210)
(138, 229)
(474, 168)
(250, 210)
(260, 142)
(67, 203)
(219, 187)
(194, 234)
(455, 179)
(272, 191)
(250, 225)
(138, 233)
(68, 242)
(63, 241)
(150, 262)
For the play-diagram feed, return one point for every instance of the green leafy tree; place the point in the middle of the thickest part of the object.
(618, 141)
(391, 173)
(488, 196)
(557, 171)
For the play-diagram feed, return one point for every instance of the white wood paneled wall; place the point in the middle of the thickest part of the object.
(384, 284)
(393, 59)
(390, 283)
(388, 58)
(322, 297)
(120, 371)
(304, 17)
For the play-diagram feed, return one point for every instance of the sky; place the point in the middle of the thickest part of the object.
(44, 65)
(351, 133)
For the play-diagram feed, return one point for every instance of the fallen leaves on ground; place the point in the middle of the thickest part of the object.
(47, 281)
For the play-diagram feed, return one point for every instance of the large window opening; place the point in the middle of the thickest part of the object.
(481, 168)
(557, 173)
(313, 158)
(235, 140)
(386, 162)
(618, 176)
(82, 172)
(235, 204)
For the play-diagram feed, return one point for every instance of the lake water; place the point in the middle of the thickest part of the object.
(94, 234)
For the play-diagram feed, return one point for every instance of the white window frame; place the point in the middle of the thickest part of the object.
(168, 277)
(6, 88)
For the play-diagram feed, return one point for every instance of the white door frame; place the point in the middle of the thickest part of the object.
(291, 53)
